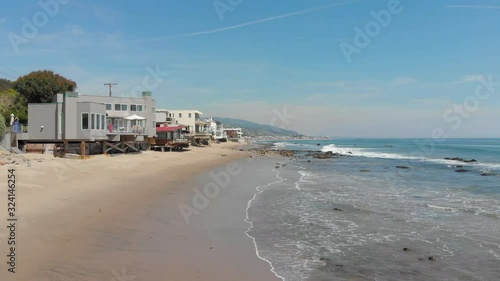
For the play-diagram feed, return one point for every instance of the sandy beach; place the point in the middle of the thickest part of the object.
(119, 218)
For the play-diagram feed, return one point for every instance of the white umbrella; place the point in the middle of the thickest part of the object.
(134, 117)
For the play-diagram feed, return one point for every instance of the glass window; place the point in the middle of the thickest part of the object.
(139, 107)
(133, 107)
(98, 127)
(103, 122)
(180, 115)
(189, 115)
(92, 121)
(118, 107)
(108, 106)
(124, 107)
(85, 121)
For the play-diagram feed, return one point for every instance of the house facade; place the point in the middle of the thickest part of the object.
(75, 117)
(118, 109)
(234, 134)
(188, 118)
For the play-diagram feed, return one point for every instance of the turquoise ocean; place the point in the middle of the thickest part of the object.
(360, 217)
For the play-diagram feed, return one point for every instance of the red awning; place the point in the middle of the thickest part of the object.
(169, 129)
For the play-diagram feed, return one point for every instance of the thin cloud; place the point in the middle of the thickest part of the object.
(297, 13)
(472, 78)
(404, 80)
(481, 7)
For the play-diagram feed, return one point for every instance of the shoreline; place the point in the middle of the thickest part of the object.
(101, 207)
(258, 191)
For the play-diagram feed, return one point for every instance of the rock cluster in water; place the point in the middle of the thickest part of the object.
(461, 160)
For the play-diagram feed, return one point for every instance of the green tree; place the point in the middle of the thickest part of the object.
(3, 126)
(19, 107)
(5, 84)
(41, 86)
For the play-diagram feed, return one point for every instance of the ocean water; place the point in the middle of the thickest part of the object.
(359, 217)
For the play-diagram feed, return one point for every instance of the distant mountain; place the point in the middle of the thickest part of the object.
(255, 129)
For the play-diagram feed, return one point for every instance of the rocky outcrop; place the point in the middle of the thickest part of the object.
(323, 155)
(461, 160)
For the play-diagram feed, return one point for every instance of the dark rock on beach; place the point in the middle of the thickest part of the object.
(338, 209)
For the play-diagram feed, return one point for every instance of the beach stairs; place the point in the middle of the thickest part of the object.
(16, 150)
(3, 150)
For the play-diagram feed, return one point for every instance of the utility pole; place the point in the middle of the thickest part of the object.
(110, 86)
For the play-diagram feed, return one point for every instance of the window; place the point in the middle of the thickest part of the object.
(103, 122)
(189, 115)
(180, 115)
(85, 121)
(92, 121)
(139, 107)
(133, 107)
(124, 107)
(118, 107)
(109, 106)
(98, 122)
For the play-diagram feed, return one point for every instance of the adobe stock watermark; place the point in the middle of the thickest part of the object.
(121, 276)
(222, 179)
(363, 37)
(281, 119)
(223, 6)
(150, 81)
(454, 117)
(456, 114)
(40, 19)
(201, 198)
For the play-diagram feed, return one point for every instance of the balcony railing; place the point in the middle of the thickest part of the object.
(133, 129)
(18, 129)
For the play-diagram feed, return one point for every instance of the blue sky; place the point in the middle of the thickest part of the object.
(258, 59)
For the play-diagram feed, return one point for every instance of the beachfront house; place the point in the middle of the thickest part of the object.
(189, 118)
(72, 117)
(234, 134)
(214, 128)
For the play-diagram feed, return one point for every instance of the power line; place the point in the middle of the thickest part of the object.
(10, 69)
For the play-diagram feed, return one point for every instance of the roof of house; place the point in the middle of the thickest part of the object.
(169, 128)
(158, 110)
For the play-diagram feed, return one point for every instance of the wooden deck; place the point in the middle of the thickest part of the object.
(167, 145)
